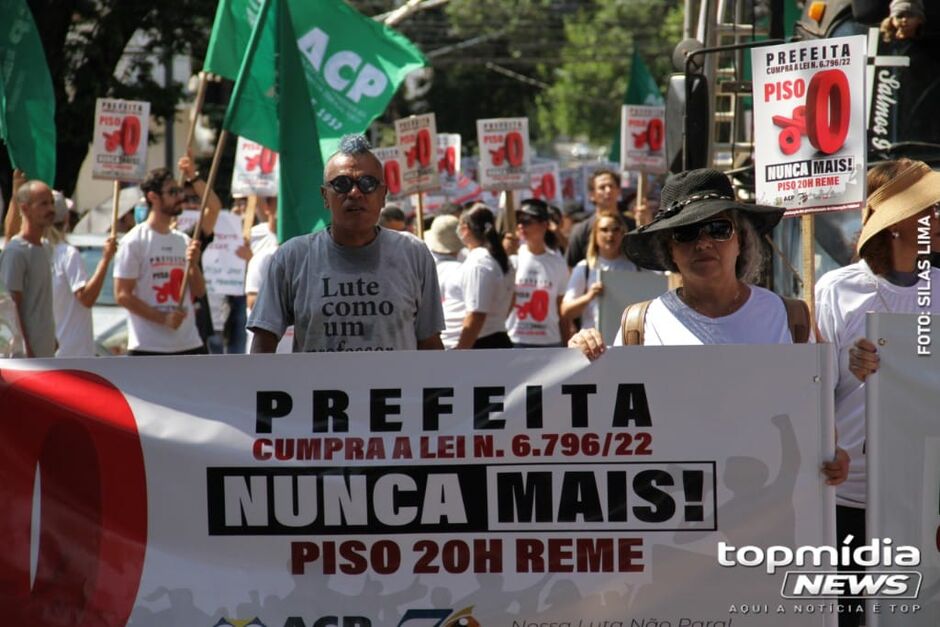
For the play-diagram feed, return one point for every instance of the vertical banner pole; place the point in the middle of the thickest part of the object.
(808, 236)
(115, 206)
(510, 220)
(210, 183)
(197, 109)
(250, 210)
(419, 217)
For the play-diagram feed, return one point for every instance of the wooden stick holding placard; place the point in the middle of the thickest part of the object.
(251, 208)
(210, 183)
(510, 220)
(808, 236)
(197, 109)
(115, 207)
(419, 216)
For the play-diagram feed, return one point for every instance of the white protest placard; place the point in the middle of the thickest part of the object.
(809, 124)
(391, 159)
(903, 455)
(572, 185)
(622, 288)
(417, 139)
(256, 169)
(448, 162)
(119, 146)
(468, 487)
(222, 268)
(544, 183)
(643, 139)
(504, 153)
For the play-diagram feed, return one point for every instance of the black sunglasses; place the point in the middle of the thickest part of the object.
(719, 230)
(344, 184)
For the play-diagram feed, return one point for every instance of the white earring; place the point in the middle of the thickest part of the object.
(895, 235)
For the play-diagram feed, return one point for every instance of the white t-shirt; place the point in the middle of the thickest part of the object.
(540, 282)
(261, 237)
(73, 324)
(583, 277)
(843, 297)
(487, 289)
(762, 319)
(254, 277)
(449, 274)
(157, 261)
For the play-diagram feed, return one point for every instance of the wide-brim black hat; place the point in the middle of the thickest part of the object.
(688, 198)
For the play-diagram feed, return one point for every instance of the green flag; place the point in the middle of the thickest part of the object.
(641, 90)
(234, 20)
(313, 72)
(27, 102)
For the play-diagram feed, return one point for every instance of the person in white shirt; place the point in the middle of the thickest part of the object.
(604, 253)
(445, 247)
(149, 271)
(263, 246)
(903, 196)
(487, 282)
(73, 291)
(541, 278)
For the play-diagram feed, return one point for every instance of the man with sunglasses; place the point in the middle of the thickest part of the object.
(149, 271)
(354, 286)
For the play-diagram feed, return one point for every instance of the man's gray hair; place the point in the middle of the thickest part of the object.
(25, 193)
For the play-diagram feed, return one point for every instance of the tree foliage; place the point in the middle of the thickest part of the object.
(85, 40)
(589, 83)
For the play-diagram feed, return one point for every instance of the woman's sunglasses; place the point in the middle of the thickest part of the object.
(344, 184)
(719, 230)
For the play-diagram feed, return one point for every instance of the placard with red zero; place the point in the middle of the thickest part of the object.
(809, 124)
(417, 140)
(448, 162)
(391, 159)
(643, 139)
(119, 147)
(545, 184)
(78, 431)
(504, 153)
(256, 169)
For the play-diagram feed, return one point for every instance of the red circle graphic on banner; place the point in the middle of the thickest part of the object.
(77, 431)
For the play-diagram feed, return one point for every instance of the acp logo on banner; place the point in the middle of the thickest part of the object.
(73, 435)
(439, 618)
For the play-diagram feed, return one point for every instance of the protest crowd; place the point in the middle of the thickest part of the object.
(500, 270)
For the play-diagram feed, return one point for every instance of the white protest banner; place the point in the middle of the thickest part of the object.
(643, 139)
(256, 169)
(471, 488)
(119, 146)
(903, 454)
(222, 268)
(622, 288)
(392, 160)
(504, 153)
(572, 185)
(417, 139)
(448, 162)
(544, 184)
(809, 124)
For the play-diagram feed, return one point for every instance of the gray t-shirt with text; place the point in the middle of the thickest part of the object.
(382, 296)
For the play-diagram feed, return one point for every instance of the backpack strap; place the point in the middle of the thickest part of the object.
(632, 323)
(797, 319)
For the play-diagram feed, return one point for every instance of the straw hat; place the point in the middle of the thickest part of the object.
(910, 192)
(442, 236)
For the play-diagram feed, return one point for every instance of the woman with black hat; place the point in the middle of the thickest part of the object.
(713, 241)
(892, 272)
